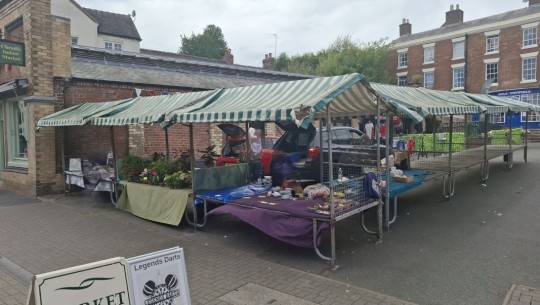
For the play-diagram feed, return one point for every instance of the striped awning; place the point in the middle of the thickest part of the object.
(497, 104)
(285, 101)
(427, 102)
(80, 114)
(151, 109)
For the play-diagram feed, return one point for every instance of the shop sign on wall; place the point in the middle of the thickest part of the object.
(12, 53)
(159, 278)
(103, 282)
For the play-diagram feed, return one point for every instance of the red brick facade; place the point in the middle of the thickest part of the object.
(509, 55)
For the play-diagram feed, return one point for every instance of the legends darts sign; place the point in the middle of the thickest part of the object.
(159, 278)
(11, 53)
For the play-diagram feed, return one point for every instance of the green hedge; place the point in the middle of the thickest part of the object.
(499, 137)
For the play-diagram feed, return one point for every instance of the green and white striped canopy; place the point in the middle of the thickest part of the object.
(150, 109)
(497, 104)
(80, 114)
(427, 102)
(346, 95)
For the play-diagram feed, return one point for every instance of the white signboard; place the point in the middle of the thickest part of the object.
(103, 282)
(159, 278)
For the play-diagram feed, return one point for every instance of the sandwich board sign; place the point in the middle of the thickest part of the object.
(159, 278)
(104, 282)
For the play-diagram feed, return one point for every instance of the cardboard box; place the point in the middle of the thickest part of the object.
(407, 179)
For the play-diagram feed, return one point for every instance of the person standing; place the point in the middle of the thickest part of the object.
(368, 129)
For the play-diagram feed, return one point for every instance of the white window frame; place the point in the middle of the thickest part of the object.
(429, 75)
(74, 40)
(492, 44)
(402, 59)
(498, 118)
(456, 68)
(490, 66)
(529, 37)
(116, 46)
(15, 130)
(402, 78)
(429, 54)
(534, 117)
(455, 43)
(524, 59)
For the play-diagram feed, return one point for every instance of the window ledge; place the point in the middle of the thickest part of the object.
(458, 88)
(491, 53)
(528, 81)
(402, 67)
(529, 47)
(429, 62)
(494, 84)
(13, 169)
(458, 58)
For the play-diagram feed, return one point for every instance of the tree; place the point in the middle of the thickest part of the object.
(343, 56)
(210, 44)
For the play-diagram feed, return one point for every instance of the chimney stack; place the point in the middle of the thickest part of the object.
(534, 2)
(405, 28)
(269, 62)
(454, 16)
(228, 57)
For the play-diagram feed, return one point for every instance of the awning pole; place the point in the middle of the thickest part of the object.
(192, 167)
(387, 171)
(321, 151)
(113, 146)
(331, 180)
(166, 143)
(526, 136)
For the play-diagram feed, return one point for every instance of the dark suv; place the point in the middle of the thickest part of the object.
(297, 152)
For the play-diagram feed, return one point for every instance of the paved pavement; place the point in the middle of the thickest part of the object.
(58, 232)
(481, 247)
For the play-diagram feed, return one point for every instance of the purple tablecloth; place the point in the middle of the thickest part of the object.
(287, 220)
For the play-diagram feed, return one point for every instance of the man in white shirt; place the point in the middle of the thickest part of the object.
(368, 129)
(254, 140)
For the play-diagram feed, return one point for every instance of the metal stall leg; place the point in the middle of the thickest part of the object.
(526, 139)
(484, 171)
(331, 180)
(510, 159)
(449, 185)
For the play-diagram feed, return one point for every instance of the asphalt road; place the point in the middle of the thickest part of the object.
(468, 250)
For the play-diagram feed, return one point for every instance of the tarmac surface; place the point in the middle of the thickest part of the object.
(480, 247)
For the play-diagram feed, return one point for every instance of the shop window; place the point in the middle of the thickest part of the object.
(17, 124)
(498, 118)
(74, 40)
(533, 117)
(532, 98)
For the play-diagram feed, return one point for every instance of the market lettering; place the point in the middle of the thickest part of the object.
(108, 300)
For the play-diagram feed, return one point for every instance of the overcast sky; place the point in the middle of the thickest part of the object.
(301, 26)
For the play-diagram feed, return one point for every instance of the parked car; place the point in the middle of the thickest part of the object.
(296, 154)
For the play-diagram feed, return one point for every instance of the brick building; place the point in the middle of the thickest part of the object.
(63, 67)
(463, 55)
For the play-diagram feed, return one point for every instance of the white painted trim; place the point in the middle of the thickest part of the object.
(401, 74)
(529, 25)
(458, 58)
(491, 53)
(494, 84)
(402, 50)
(528, 81)
(458, 39)
(458, 88)
(458, 65)
(428, 70)
(528, 55)
(492, 33)
(491, 60)
(402, 67)
(529, 47)
(428, 62)
(429, 45)
(471, 30)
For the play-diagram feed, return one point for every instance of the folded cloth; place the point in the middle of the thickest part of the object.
(316, 190)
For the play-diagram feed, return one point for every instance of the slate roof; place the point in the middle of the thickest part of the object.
(114, 24)
(533, 9)
(139, 68)
(181, 56)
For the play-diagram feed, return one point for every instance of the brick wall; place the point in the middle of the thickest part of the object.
(510, 40)
(178, 135)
